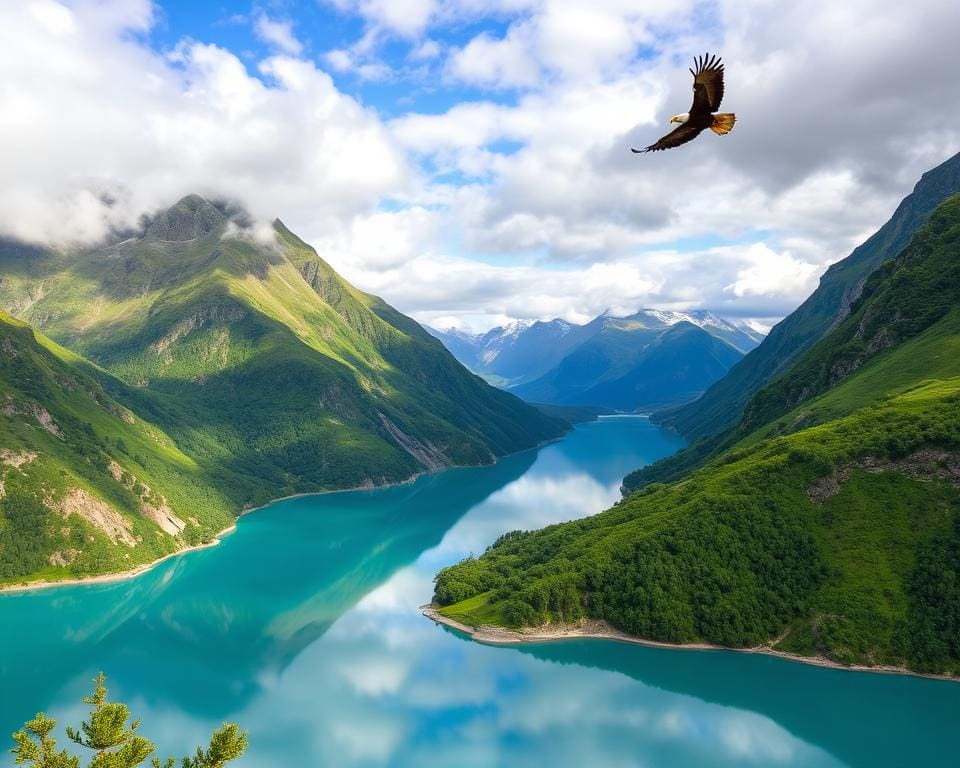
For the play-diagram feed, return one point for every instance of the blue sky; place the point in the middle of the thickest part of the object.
(469, 161)
(321, 28)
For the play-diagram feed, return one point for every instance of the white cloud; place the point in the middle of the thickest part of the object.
(97, 129)
(519, 204)
(403, 17)
(772, 274)
(428, 49)
(505, 62)
(277, 33)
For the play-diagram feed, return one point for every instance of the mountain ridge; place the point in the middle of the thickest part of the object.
(529, 358)
(831, 530)
(721, 405)
(259, 361)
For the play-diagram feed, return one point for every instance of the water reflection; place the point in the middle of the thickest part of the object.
(304, 627)
(238, 612)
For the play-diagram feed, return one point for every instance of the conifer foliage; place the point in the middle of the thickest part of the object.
(114, 740)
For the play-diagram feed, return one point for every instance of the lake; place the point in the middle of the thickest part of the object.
(303, 626)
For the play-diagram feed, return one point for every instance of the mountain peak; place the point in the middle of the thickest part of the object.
(191, 217)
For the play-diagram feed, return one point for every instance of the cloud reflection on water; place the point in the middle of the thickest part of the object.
(316, 645)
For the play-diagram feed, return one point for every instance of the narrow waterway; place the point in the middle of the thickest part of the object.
(304, 627)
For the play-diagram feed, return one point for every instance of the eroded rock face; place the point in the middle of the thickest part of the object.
(16, 459)
(96, 512)
(921, 465)
(152, 506)
(63, 557)
(163, 516)
(425, 452)
(45, 420)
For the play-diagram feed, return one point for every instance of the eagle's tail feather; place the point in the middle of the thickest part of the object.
(723, 124)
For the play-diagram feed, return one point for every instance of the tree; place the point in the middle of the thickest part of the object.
(116, 743)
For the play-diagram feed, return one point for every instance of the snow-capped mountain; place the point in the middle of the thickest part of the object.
(735, 332)
(541, 360)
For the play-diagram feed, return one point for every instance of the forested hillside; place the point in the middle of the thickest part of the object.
(832, 528)
(87, 486)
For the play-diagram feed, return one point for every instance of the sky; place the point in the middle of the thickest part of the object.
(469, 161)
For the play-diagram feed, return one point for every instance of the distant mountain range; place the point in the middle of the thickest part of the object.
(210, 369)
(649, 359)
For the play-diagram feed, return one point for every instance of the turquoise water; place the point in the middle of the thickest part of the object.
(303, 626)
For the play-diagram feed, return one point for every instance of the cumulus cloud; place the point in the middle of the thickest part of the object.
(277, 33)
(772, 274)
(827, 143)
(523, 199)
(97, 128)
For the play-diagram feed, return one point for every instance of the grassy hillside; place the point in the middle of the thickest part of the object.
(255, 355)
(86, 486)
(266, 370)
(833, 529)
(901, 299)
(721, 405)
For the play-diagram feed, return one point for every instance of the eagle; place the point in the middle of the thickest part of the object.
(707, 95)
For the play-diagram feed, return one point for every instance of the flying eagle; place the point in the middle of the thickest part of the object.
(707, 94)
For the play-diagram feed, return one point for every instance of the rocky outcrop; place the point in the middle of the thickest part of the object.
(96, 512)
(425, 453)
(926, 465)
(189, 219)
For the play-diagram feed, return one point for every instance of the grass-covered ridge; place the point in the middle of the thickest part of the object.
(903, 299)
(833, 529)
(263, 368)
(721, 406)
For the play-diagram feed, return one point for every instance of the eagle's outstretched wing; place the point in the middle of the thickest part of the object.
(707, 85)
(680, 135)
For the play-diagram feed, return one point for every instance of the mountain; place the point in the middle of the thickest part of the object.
(647, 360)
(558, 362)
(677, 365)
(829, 528)
(736, 333)
(258, 361)
(515, 353)
(463, 345)
(721, 405)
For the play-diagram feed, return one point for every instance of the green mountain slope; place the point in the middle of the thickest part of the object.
(258, 356)
(260, 363)
(721, 405)
(86, 486)
(833, 530)
(635, 363)
(902, 298)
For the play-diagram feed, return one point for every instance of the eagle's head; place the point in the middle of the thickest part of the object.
(682, 118)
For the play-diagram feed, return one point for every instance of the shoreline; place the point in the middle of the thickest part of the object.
(594, 629)
(106, 578)
(139, 570)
